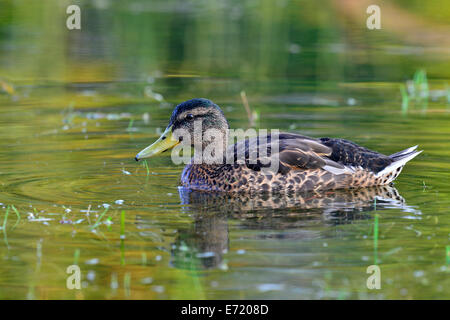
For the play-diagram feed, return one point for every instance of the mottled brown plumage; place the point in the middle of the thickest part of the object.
(304, 163)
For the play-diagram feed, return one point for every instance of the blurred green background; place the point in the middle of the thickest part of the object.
(325, 41)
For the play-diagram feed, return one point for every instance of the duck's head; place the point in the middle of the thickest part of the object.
(198, 113)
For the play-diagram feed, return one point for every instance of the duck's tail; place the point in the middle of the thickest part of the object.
(399, 160)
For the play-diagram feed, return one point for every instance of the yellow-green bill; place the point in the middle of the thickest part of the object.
(165, 142)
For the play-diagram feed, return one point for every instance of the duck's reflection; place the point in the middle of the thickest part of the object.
(205, 242)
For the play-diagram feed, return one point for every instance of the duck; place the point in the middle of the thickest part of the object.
(285, 162)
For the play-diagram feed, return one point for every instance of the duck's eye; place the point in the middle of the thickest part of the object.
(189, 116)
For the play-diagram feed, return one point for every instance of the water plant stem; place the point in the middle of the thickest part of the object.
(5, 219)
(97, 223)
(375, 240)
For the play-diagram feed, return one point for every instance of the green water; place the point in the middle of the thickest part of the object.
(76, 106)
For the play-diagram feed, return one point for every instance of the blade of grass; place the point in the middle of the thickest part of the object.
(122, 238)
(108, 223)
(405, 99)
(88, 214)
(130, 124)
(422, 89)
(5, 219)
(17, 214)
(247, 109)
(375, 240)
(99, 218)
(122, 225)
(76, 256)
(145, 164)
(5, 236)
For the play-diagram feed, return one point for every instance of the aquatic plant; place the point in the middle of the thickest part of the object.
(122, 224)
(416, 89)
(145, 164)
(76, 256)
(252, 116)
(405, 99)
(375, 240)
(97, 223)
(5, 218)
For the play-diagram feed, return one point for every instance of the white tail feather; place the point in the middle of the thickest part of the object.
(403, 152)
(404, 158)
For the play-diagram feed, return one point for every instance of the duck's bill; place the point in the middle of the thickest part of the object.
(165, 142)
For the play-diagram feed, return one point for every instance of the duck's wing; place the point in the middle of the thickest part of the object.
(338, 156)
(298, 152)
(292, 151)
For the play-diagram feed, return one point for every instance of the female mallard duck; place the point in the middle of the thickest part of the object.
(304, 163)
